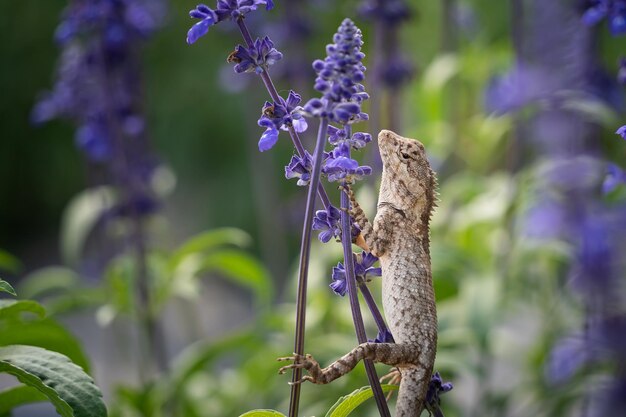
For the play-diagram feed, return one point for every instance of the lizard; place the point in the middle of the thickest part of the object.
(400, 238)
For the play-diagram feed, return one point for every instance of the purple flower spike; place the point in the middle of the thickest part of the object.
(257, 58)
(300, 168)
(328, 222)
(339, 78)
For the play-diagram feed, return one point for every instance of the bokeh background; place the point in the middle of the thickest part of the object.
(516, 102)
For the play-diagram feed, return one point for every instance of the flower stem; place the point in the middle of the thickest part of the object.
(369, 300)
(271, 89)
(346, 242)
(303, 269)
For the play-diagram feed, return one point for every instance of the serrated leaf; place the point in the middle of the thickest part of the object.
(243, 269)
(347, 404)
(14, 308)
(46, 334)
(210, 240)
(262, 413)
(6, 287)
(20, 395)
(71, 391)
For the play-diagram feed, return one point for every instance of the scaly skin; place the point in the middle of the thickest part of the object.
(399, 236)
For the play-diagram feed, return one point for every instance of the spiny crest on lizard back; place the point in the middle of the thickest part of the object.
(412, 183)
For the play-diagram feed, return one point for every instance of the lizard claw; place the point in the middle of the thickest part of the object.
(296, 358)
(301, 380)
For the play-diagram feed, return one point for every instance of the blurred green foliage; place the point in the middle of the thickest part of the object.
(501, 302)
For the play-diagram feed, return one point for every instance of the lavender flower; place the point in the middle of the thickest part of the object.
(390, 11)
(613, 10)
(396, 72)
(622, 132)
(338, 78)
(435, 389)
(356, 141)
(280, 115)
(257, 58)
(363, 270)
(328, 222)
(615, 177)
(300, 168)
(96, 84)
(340, 167)
(226, 9)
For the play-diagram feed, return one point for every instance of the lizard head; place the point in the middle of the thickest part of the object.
(408, 181)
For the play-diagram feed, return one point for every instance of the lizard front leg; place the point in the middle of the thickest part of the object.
(375, 238)
(387, 353)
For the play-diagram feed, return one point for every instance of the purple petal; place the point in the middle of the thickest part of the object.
(268, 139)
(300, 125)
(198, 30)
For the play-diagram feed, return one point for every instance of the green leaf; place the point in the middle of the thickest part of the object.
(14, 308)
(20, 395)
(6, 287)
(67, 386)
(48, 280)
(46, 334)
(201, 354)
(9, 262)
(79, 218)
(345, 405)
(262, 413)
(242, 269)
(210, 240)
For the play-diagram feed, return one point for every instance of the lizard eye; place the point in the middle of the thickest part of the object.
(406, 155)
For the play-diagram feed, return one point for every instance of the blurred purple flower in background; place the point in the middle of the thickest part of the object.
(98, 87)
(613, 10)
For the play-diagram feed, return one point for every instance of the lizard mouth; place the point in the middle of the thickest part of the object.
(386, 142)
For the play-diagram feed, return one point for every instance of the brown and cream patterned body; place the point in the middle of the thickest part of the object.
(399, 236)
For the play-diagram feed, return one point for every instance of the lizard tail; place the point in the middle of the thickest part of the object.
(412, 393)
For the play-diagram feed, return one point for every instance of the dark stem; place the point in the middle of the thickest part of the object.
(357, 318)
(150, 339)
(303, 269)
(371, 303)
(271, 89)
